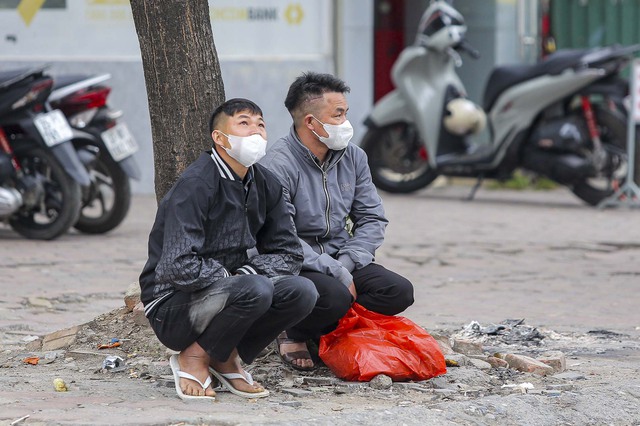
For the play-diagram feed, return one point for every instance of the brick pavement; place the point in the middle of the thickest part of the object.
(539, 255)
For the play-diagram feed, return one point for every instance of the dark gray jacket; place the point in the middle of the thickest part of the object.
(207, 222)
(337, 211)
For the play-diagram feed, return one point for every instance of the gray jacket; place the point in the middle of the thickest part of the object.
(338, 213)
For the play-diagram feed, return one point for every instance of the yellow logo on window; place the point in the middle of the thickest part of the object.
(294, 14)
(27, 9)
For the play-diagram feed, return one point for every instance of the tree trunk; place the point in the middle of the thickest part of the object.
(183, 79)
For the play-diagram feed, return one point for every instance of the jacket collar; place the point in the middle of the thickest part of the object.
(332, 157)
(226, 171)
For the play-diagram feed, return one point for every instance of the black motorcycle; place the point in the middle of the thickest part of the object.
(105, 146)
(40, 173)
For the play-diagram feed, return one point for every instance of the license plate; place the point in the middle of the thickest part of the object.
(53, 127)
(119, 141)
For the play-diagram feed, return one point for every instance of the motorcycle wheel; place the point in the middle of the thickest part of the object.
(397, 158)
(59, 206)
(109, 198)
(613, 133)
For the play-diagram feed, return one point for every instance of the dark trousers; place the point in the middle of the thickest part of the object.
(246, 312)
(379, 290)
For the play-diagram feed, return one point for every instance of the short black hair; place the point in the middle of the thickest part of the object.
(230, 108)
(311, 85)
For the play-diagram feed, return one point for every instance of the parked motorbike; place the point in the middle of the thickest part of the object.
(105, 146)
(563, 118)
(40, 173)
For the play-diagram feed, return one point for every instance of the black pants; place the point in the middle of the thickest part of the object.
(246, 312)
(379, 290)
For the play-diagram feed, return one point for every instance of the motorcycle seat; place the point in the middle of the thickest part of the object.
(503, 77)
(11, 77)
(67, 80)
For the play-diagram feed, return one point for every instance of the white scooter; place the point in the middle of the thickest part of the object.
(563, 118)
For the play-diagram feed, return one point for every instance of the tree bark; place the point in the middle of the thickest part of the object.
(183, 80)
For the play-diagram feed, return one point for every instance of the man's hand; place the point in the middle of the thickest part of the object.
(352, 290)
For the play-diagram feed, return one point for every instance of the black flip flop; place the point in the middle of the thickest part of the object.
(289, 357)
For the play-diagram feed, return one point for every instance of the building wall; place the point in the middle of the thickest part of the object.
(262, 47)
(354, 58)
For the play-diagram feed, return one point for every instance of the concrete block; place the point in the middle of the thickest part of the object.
(480, 364)
(467, 347)
(132, 296)
(556, 360)
(60, 339)
(138, 315)
(34, 345)
(444, 343)
(497, 362)
(528, 364)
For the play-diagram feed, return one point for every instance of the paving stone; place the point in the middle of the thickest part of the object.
(561, 386)
(439, 383)
(297, 392)
(555, 359)
(528, 364)
(60, 339)
(444, 392)
(478, 363)
(132, 296)
(444, 343)
(497, 362)
(138, 315)
(39, 302)
(460, 359)
(569, 375)
(34, 345)
(413, 386)
(467, 347)
(294, 404)
(319, 381)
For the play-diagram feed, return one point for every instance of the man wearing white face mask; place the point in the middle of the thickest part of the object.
(221, 280)
(337, 211)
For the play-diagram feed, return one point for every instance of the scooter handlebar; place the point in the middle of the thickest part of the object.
(465, 46)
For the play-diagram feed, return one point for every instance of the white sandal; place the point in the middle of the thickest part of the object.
(177, 374)
(225, 378)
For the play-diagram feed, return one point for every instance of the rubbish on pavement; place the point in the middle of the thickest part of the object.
(509, 331)
(114, 343)
(49, 357)
(112, 361)
(523, 387)
(59, 385)
(33, 360)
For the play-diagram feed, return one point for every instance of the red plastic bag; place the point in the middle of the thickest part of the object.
(366, 344)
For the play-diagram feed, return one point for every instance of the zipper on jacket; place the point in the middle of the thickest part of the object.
(246, 211)
(328, 208)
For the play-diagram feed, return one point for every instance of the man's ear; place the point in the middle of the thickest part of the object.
(308, 121)
(216, 136)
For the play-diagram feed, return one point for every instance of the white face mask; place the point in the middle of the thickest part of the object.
(246, 150)
(339, 135)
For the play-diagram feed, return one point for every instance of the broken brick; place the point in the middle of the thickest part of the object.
(60, 339)
(528, 364)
